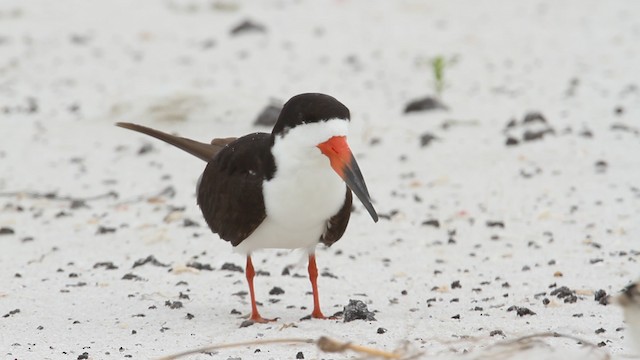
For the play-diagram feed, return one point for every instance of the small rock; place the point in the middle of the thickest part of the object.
(601, 166)
(357, 310)
(601, 297)
(381, 330)
(276, 291)
(432, 222)
(499, 224)
(231, 267)
(269, 115)
(299, 355)
(173, 304)
(189, 223)
(247, 26)
(247, 323)
(131, 276)
(424, 104)
(146, 148)
(427, 138)
(534, 116)
(6, 231)
(149, 259)
(11, 313)
(105, 230)
(199, 266)
(511, 141)
(107, 265)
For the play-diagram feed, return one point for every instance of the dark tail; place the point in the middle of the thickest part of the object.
(204, 151)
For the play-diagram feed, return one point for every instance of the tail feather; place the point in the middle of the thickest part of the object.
(203, 151)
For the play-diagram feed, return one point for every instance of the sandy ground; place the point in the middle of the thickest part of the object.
(474, 232)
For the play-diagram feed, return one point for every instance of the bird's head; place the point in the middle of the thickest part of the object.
(319, 123)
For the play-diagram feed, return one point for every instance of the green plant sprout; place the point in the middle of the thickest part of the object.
(438, 65)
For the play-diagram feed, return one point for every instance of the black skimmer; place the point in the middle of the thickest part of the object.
(280, 190)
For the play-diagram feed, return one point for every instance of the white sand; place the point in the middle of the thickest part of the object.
(173, 65)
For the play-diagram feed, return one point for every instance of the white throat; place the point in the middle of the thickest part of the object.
(305, 191)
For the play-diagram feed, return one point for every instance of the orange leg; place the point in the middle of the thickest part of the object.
(313, 276)
(255, 315)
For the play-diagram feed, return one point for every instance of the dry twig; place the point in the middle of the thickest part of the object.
(323, 343)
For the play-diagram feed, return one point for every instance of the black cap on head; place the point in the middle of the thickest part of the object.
(309, 108)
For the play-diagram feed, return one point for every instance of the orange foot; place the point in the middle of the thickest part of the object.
(256, 319)
(317, 314)
(261, 320)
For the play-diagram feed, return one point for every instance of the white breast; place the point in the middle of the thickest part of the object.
(304, 193)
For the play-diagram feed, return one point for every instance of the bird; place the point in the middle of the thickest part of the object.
(629, 300)
(288, 189)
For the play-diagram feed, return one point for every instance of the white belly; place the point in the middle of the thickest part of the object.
(298, 201)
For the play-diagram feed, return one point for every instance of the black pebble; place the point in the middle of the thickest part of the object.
(146, 148)
(131, 276)
(600, 331)
(546, 301)
(105, 230)
(456, 285)
(247, 26)
(149, 259)
(200, 266)
(268, 116)
(231, 267)
(427, 138)
(511, 141)
(424, 104)
(381, 330)
(299, 355)
(6, 231)
(108, 265)
(619, 110)
(536, 135)
(601, 166)
(496, 332)
(328, 274)
(173, 304)
(601, 297)
(431, 222)
(534, 116)
(565, 293)
(247, 323)
(499, 224)
(85, 355)
(276, 291)
(524, 311)
(11, 313)
(521, 311)
(357, 310)
(189, 223)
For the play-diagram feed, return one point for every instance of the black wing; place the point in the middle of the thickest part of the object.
(230, 189)
(338, 222)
